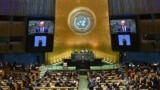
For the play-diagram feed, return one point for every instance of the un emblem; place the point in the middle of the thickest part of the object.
(81, 20)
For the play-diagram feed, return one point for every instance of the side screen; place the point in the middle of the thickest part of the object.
(40, 32)
(124, 33)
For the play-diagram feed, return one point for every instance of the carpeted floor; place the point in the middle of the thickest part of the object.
(83, 83)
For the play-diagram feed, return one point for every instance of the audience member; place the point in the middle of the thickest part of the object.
(91, 84)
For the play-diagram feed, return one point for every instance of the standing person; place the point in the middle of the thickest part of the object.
(91, 84)
(123, 27)
(124, 41)
(42, 28)
(40, 42)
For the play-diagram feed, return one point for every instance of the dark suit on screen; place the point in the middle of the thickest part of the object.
(127, 29)
(45, 30)
(124, 42)
(40, 42)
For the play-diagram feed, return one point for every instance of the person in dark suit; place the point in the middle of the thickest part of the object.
(40, 43)
(91, 84)
(123, 27)
(124, 42)
(42, 28)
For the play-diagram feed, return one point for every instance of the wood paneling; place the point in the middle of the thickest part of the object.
(6, 48)
(157, 26)
(27, 7)
(147, 47)
(150, 27)
(5, 28)
(18, 29)
(120, 7)
(47, 7)
(13, 28)
(146, 27)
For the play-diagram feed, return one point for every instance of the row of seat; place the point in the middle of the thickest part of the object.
(17, 79)
(57, 80)
(107, 79)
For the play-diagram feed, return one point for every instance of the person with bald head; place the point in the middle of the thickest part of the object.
(123, 27)
(42, 28)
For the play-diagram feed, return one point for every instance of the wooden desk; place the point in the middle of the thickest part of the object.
(20, 82)
(36, 72)
(2, 72)
(54, 88)
(33, 77)
(6, 69)
(5, 87)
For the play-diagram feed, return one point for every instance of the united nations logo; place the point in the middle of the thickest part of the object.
(81, 20)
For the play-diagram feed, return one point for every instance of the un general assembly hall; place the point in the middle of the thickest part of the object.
(79, 45)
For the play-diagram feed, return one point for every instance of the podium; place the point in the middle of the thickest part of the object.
(82, 64)
(82, 56)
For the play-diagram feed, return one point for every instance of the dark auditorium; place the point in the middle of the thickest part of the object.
(79, 45)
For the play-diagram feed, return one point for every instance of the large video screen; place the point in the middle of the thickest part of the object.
(40, 26)
(40, 32)
(124, 33)
(123, 25)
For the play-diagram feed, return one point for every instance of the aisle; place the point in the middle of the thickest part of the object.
(83, 82)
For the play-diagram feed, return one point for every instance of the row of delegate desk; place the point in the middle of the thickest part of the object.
(49, 81)
(55, 88)
(35, 74)
(18, 83)
(106, 77)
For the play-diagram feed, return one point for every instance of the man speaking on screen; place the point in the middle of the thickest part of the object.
(42, 28)
(123, 27)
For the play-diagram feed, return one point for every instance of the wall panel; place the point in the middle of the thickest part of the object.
(5, 28)
(157, 26)
(47, 7)
(66, 41)
(18, 29)
(120, 7)
(5, 7)
(27, 7)
(146, 27)
(17, 7)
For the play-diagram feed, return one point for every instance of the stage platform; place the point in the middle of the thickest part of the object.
(59, 67)
(103, 66)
